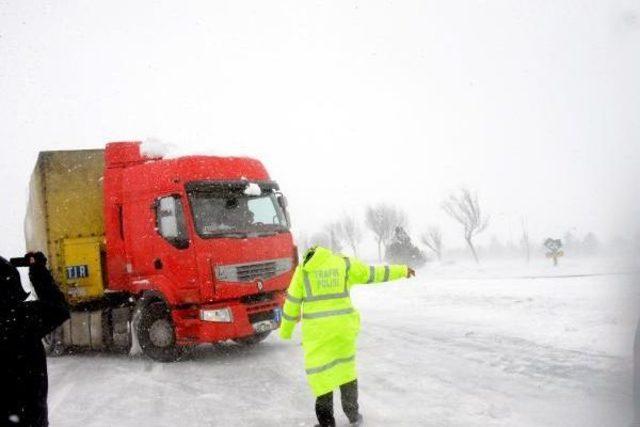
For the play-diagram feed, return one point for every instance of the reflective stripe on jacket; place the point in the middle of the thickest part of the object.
(319, 297)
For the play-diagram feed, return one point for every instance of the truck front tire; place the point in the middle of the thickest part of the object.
(156, 333)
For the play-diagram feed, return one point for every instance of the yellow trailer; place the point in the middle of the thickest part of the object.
(65, 219)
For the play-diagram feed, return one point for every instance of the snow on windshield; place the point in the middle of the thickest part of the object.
(252, 189)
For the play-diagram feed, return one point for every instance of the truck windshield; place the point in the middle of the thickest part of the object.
(234, 214)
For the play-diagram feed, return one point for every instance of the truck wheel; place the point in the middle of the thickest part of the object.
(156, 334)
(253, 339)
(52, 343)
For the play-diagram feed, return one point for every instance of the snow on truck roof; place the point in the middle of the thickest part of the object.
(191, 165)
(156, 149)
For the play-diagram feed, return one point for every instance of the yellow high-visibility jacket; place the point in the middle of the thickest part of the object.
(319, 297)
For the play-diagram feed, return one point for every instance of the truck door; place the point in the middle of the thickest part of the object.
(174, 255)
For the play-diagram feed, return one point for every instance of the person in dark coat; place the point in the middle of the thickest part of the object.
(23, 324)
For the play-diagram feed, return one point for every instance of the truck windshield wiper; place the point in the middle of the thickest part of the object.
(272, 229)
(266, 233)
(244, 234)
(234, 234)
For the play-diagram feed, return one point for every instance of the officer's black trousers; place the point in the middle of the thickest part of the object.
(349, 397)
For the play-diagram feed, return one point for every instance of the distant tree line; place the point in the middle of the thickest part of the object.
(388, 226)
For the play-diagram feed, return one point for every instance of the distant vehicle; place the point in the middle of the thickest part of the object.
(178, 252)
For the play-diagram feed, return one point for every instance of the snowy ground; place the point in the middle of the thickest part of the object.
(460, 345)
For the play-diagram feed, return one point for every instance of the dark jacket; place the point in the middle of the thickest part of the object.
(23, 324)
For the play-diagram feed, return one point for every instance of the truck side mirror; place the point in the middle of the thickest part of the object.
(282, 201)
(167, 218)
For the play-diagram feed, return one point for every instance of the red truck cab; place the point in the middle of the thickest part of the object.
(201, 243)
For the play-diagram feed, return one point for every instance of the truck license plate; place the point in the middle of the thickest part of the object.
(264, 326)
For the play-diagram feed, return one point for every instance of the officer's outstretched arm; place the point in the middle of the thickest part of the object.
(360, 273)
(291, 309)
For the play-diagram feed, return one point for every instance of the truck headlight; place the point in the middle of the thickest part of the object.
(218, 315)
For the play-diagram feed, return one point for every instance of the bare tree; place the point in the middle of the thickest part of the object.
(433, 240)
(351, 232)
(382, 220)
(554, 247)
(525, 242)
(465, 209)
(334, 232)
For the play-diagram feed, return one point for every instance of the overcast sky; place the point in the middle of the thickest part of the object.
(534, 104)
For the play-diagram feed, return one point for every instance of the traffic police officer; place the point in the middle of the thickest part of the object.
(319, 296)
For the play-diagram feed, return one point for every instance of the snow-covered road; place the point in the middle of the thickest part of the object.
(452, 347)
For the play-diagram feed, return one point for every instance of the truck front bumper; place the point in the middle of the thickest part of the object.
(209, 323)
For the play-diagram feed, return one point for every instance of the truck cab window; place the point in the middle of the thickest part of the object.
(170, 221)
(221, 212)
(263, 212)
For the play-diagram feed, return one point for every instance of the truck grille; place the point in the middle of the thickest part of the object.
(250, 272)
